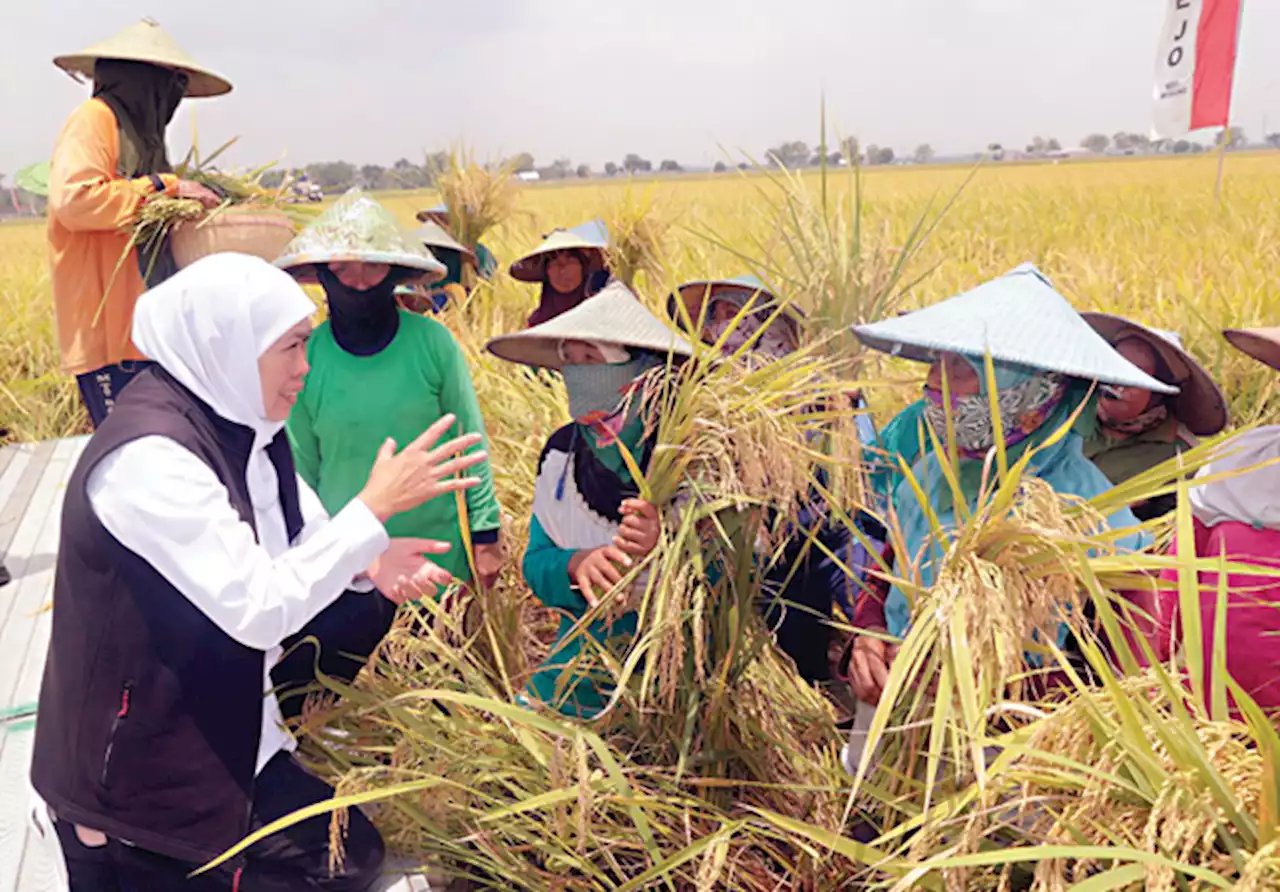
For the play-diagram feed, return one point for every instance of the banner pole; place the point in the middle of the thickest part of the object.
(1222, 158)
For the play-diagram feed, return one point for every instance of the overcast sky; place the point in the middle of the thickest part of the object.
(594, 79)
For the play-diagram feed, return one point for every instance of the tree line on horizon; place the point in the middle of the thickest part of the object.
(338, 176)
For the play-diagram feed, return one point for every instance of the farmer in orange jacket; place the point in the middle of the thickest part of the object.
(109, 160)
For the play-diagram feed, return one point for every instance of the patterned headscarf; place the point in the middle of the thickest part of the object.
(1025, 399)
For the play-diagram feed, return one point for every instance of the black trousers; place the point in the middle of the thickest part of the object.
(348, 630)
(100, 388)
(293, 859)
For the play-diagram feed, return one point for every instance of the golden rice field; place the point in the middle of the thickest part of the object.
(1133, 236)
(741, 788)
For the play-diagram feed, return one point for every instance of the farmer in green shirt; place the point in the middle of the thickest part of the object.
(378, 371)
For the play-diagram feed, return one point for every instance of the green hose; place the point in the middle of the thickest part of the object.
(18, 718)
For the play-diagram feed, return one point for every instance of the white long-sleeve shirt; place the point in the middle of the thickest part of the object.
(168, 507)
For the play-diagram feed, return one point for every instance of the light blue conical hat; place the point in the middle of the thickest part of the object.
(590, 236)
(1018, 318)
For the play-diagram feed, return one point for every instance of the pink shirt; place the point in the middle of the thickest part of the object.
(1252, 619)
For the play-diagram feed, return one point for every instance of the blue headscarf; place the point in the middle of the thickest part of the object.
(1062, 465)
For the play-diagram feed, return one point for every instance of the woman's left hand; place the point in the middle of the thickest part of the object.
(640, 529)
(490, 559)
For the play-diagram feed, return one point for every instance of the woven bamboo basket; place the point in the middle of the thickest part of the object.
(262, 233)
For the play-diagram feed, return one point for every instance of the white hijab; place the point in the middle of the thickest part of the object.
(1251, 497)
(209, 323)
(207, 326)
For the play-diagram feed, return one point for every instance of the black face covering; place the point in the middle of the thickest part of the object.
(363, 322)
(143, 99)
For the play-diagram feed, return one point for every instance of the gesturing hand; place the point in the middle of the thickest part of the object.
(402, 573)
(640, 528)
(600, 568)
(419, 472)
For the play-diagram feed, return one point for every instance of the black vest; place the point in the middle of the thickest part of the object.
(149, 715)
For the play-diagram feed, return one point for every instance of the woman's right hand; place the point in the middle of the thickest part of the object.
(869, 666)
(419, 472)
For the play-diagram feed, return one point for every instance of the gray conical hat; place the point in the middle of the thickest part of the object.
(1200, 404)
(590, 236)
(1019, 318)
(433, 235)
(357, 228)
(613, 316)
(146, 41)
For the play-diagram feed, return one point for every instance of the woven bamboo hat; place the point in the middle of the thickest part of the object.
(146, 41)
(1018, 318)
(1200, 404)
(590, 236)
(613, 316)
(357, 228)
(1263, 344)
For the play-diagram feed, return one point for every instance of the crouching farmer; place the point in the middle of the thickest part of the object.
(190, 550)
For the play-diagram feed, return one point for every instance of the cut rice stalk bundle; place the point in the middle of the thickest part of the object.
(518, 799)
(1123, 776)
(478, 197)
(639, 243)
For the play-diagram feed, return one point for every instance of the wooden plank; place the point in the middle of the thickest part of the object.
(13, 505)
(6, 455)
(23, 642)
(42, 869)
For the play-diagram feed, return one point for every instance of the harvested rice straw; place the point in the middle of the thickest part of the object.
(639, 242)
(478, 197)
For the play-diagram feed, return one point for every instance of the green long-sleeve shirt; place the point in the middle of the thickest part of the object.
(351, 404)
(571, 678)
(579, 691)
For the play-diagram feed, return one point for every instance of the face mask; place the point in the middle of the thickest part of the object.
(771, 344)
(363, 322)
(1023, 408)
(597, 392)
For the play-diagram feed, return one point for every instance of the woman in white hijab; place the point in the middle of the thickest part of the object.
(190, 551)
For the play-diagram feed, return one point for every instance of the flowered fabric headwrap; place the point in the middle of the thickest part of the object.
(776, 341)
(1026, 397)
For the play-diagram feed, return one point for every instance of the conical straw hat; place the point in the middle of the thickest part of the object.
(1200, 404)
(693, 293)
(1018, 318)
(1263, 344)
(613, 316)
(433, 235)
(146, 41)
(359, 229)
(590, 236)
(435, 212)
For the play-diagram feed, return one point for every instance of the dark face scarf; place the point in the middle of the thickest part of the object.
(363, 322)
(144, 99)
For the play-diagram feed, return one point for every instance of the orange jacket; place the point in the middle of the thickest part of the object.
(91, 213)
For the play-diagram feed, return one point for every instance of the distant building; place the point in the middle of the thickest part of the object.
(528, 176)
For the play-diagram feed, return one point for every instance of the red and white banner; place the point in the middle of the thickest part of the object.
(1196, 66)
